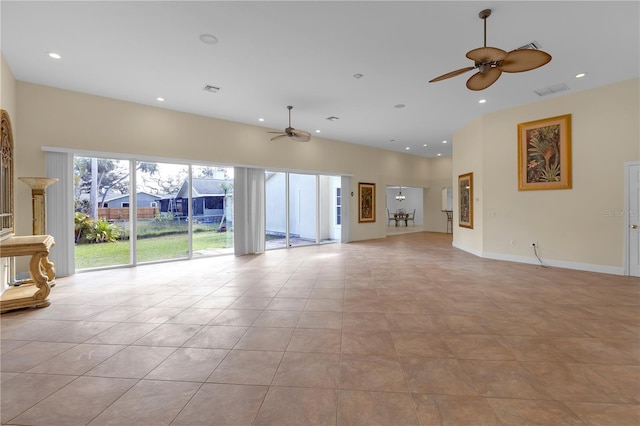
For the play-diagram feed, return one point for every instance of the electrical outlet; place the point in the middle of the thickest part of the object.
(534, 244)
(513, 242)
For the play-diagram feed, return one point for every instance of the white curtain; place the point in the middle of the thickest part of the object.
(60, 212)
(249, 211)
(346, 209)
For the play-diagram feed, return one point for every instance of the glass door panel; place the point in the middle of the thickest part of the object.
(330, 209)
(275, 210)
(101, 206)
(162, 204)
(302, 210)
(212, 213)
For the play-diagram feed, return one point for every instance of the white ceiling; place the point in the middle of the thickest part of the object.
(273, 54)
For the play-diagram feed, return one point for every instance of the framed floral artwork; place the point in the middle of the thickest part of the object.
(465, 200)
(544, 154)
(366, 202)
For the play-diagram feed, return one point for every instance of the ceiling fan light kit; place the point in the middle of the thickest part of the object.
(290, 132)
(491, 62)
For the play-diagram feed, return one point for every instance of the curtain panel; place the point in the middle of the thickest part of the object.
(249, 211)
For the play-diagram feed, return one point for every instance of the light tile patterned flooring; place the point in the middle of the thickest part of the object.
(400, 331)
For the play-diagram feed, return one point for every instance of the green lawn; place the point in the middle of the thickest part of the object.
(149, 249)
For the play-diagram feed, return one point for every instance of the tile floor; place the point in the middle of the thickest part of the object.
(400, 331)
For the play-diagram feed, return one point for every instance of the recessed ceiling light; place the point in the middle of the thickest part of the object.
(481, 101)
(332, 118)
(358, 76)
(425, 145)
(444, 141)
(212, 89)
(407, 148)
(260, 119)
(582, 74)
(159, 99)
(399, 106)
(54, 55)
(317, 131)
(208, 39)
(439, 154)
(392, 140)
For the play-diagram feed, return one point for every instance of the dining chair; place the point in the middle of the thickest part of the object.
(390, 218)
(411, 217)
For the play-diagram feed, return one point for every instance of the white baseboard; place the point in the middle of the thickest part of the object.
(467, 249)
(589, 267)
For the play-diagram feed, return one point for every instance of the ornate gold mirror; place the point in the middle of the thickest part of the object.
(6, 178)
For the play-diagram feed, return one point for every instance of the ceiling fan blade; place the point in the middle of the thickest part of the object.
(452, 74)
(300, 136)
(481, 81)
(521, 60)
(486, 54)
(275, 138)
(280, 132)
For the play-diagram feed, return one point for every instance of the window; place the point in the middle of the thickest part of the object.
(214, 203)
(338, 206)
(153, 204)
(124, 204)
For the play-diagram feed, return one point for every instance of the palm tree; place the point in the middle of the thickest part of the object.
(226, 186)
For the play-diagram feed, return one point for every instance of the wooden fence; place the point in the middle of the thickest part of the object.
(122, 213)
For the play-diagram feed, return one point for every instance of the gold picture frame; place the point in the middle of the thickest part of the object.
(544, 154)
(366, 202)
(465, 200)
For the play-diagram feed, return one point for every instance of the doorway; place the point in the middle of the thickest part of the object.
(404, 209)
(632, 219)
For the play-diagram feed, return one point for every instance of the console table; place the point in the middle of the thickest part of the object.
(32, 292)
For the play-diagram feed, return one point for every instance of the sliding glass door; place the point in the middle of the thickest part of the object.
(276, 210)
(161, 234)
(212, 213)
(330, 198)
(101, 212)
(301, 209)
(180, 211)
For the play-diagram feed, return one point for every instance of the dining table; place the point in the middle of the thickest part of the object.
(400, 217)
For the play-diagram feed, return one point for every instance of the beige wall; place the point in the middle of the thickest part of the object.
(571, 226)
(467, 158)
(60, 118)
(8, 88)
(435, 220)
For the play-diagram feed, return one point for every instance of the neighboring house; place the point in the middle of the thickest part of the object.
(208, 200)
(143, 199)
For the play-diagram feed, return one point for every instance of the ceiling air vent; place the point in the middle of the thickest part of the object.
(552, 89)
(212, 89)
(533, 45)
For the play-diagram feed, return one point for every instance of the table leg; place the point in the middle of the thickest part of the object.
(37, 275)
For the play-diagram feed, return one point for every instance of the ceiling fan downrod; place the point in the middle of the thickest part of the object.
(484, 14)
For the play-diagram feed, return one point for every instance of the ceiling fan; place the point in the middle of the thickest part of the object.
(491, 62)
(290, 132)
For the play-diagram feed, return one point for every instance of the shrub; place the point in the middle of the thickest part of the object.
(103, 232)
(83, 225)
